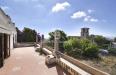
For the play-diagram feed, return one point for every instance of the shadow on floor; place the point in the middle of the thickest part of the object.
(51, 65)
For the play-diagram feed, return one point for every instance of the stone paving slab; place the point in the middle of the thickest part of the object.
(25, 61)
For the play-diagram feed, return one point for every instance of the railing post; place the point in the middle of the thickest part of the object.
(56, 44)
(36, 38)
(42, 39)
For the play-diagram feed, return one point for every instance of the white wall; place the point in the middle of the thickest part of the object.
(11, 41)
(7, 27)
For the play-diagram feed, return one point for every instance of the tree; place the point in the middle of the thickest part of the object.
(29, 35)
(63, 37)
(101, 41)
(19, 35)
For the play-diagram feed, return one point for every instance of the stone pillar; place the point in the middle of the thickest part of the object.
(92, 39)
(42, 39)
(36, 39)
(8, 44)
(56, 43)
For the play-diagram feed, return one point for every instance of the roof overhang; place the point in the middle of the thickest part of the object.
(2, 30)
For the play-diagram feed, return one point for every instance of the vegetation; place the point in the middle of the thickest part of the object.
(27, 35)
(91, 51)
(84, 47)
(102, 42)
(19, 35)
(63, 38)
(87, 50)
(79, 47)
(112, 51)
(106, 64)
(72, 46)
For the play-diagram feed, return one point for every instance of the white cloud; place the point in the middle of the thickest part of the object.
(87, 18)
(93, 20)
(60, 7)
(90, 19)
(90, 11)
(79, 14)
(4, 7)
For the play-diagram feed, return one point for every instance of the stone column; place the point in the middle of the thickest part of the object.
(42, 39)
(56, 43)
(8, 44)
(36, 39)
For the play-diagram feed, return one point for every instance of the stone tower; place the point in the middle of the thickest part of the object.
(84, 32)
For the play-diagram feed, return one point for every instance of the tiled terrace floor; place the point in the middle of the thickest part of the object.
(25, 61)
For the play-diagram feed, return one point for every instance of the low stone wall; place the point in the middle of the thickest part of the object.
(85, 67)
(26, 44)
(46, 51)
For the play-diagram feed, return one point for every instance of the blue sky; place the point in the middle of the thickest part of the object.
(68, 15)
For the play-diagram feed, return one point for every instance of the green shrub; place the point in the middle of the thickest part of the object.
(91, 51)
(71, 45)
(84, 47)
(112, 51)
(67, 46)
(104, 46)
(84, 43)
(76, 53)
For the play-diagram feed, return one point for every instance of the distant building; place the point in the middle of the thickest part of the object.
(8, 36)
(113, 44)
(84, 32)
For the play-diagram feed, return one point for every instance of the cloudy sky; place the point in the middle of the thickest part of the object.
(68, 15)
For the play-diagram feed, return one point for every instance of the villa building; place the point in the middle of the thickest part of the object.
(8, 36)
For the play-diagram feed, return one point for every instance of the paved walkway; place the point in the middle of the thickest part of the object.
(25, 61)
